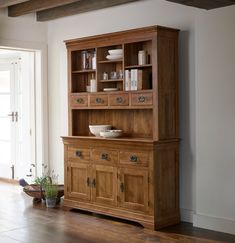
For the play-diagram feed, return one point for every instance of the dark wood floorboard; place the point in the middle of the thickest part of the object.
(21, 221)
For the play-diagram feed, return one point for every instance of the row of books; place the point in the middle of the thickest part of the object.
(136, 79)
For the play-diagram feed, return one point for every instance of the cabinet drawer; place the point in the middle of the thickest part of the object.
(78, 154)
(99, 100)
(104, 156)
(141, 99)
(134, 158)
(78, 100)
(119, 100)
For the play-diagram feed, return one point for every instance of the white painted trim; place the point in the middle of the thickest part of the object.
(186, 215)
(213, 223)
(40, 50)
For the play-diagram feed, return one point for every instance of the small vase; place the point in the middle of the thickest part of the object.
(51, 202)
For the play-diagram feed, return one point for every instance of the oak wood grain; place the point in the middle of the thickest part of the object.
(80, 7)
(27, 7)
(145, 159)
(205, 4)
(6, 3)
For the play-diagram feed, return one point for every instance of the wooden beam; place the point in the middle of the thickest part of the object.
(35, 5)
(79, 7)
(205, 4)
(6, 3)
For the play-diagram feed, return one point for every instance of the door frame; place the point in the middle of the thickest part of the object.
(41, 104)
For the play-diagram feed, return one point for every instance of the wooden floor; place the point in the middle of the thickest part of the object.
(21, 221)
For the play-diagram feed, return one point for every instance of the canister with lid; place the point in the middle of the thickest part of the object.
(142, 57)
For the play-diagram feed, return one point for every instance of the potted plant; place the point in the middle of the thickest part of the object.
(51, 193)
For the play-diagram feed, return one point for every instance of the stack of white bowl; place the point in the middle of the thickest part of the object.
(115, 54)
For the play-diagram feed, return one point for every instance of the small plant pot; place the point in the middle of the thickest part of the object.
(50, 202)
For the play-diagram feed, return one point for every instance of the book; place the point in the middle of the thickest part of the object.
(127, 80)
(134, 77)
(142, 80)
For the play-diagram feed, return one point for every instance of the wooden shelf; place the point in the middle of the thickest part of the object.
(85, 71)
(110, 61)
(138, 66)
(110, 80)
(132, 139)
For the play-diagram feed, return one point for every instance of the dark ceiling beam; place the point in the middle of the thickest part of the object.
(205, 4)
(35, 5)
(79, 7)
(6, 3)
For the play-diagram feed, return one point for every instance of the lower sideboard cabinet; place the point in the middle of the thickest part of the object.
(130, 181)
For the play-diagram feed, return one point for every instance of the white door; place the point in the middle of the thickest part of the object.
(6, 119)
(16, 114)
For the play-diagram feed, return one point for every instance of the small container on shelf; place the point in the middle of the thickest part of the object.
(142, 57)
(94, 61)
(93, 85)
(88, 58)
(105, 76)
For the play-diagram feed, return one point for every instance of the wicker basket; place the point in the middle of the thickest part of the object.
(36, 191)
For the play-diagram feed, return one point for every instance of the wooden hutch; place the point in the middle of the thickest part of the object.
(136, 176)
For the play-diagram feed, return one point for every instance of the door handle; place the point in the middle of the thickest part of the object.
(122, 188)
(93, 183)
(12, 114)
(16, 116)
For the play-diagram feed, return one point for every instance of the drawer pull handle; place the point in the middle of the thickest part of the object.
(99, 101)
(141, 99)
(88, 181)
(133, 158)
(122, 188)
(104, 156)
(80, 101)
(119, 100)
(78, 153)
(93, 183)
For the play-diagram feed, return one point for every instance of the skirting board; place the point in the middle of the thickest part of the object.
(186, 215)
(212, 223)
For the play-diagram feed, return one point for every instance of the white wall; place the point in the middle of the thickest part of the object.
(23, 29)
(134, 15)
(215, 119)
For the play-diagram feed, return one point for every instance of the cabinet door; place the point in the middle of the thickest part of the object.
(133, 189)
(78, 180)
(104, 184)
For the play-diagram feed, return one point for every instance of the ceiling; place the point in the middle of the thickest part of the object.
(52, 9)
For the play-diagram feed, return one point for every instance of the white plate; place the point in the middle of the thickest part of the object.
(114, 57)
(110, 89)
(111, 134)
(116, 52)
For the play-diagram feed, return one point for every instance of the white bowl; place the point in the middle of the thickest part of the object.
(114, 57)
(96, 129)
(116, 52)
(111, 133)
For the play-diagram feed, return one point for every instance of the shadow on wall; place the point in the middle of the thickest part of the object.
(187, 121)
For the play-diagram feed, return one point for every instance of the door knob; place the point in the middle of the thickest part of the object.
(12, 114)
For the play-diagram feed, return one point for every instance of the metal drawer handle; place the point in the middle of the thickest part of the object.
(80, 100)
(133, 158)
(119, 100)
(93, 183)
(104, 156)
(88, 181)
(78, 153)
(99, 101)
(141, 99)
(122, 188)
